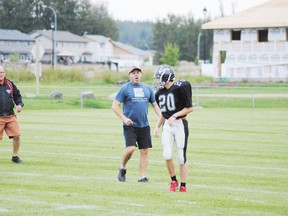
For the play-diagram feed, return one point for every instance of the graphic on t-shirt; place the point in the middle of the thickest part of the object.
(139, 92)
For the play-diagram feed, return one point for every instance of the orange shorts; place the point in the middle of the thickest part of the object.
(10, 125)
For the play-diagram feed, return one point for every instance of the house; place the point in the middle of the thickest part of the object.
(69, 48)
(129, 56)
(99, 48)
(117, 55)
(252, 44)
(14, 42)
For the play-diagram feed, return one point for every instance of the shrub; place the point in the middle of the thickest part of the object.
(19, 75)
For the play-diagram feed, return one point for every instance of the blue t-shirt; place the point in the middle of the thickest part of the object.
(135, 100)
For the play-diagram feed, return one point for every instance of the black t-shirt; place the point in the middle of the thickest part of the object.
(174, 99)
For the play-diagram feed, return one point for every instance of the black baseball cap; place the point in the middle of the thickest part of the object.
(135, 68)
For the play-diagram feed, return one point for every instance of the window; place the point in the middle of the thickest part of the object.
(263, 35)
(236, 35)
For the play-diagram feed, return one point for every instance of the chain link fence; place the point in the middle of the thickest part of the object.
(202, 96)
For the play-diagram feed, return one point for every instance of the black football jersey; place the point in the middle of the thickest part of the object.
(174, 99)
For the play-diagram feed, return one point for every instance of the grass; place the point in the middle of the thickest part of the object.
(237, 166)
(71, 97)
(226, 102)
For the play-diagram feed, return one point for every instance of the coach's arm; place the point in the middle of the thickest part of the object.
(116, 107)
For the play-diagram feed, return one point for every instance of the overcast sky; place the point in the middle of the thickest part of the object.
(142, 10)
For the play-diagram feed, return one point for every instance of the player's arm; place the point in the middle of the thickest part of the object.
(182, 112)
(186, 96)
(160, 122)
(157, 109)
(185, 111)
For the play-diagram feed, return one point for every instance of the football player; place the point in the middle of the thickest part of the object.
(175, 101)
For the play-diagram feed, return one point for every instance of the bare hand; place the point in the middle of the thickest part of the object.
(156, 132)
(19, 108)
(128, 122)
(171, 121)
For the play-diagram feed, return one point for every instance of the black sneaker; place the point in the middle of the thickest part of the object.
(16, 159)
(143, 180)
(121, 175)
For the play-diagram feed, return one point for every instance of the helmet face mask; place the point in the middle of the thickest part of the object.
(164, 74)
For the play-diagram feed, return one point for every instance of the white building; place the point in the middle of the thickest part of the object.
(69, 47)
(99, 48)
(14, 42)
(129, 56)
(252, 44)
(104, 50)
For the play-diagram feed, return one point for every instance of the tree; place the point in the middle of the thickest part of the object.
(98, 21)
(171, 54)
(76, 16)
(17, 14)
(187, 41)
(138, 34)
(182, 31)
(165, 31)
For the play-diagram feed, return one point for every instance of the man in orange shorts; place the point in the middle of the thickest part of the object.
(9, 96)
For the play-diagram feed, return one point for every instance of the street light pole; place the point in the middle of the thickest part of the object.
(204, 39)
(198, 46)
(53, 45)
(54, 40)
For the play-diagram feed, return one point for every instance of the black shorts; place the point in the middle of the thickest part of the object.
(135, 136)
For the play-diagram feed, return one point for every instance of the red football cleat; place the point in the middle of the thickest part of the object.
(183, 189)
(173, 186)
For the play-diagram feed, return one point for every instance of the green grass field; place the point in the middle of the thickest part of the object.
(238, 165)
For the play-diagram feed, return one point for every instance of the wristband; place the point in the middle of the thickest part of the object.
(174, 116)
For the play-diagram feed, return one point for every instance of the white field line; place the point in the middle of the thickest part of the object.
(4, 210)
(129, 204)
(239, 166)
(249, 190)
(156, 161)
(63, 207)
(98, 208)
(56, 176)
(187, 202)
(71, 154)
(251, 201)
(243, 95)
(237, 199)
(212, 187)
(34, 202)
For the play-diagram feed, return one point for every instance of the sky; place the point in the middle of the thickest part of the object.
(153, 10)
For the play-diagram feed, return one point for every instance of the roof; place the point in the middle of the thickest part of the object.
(132, 50)
(62, 36)
(267, 15)
(14, 35)
(97, 38)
